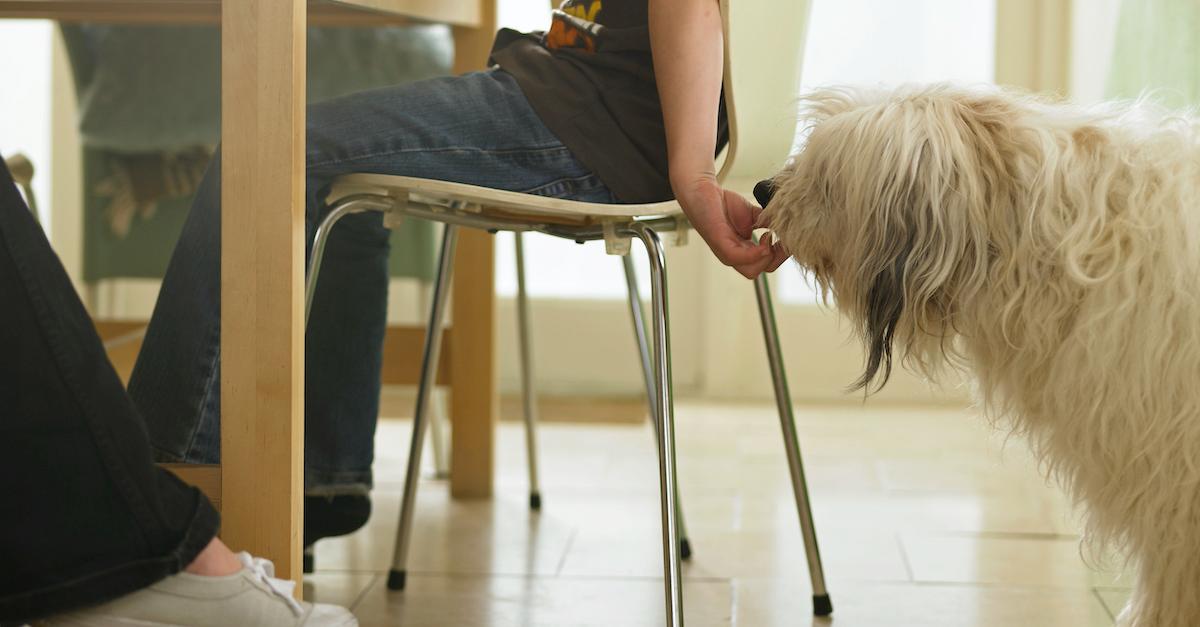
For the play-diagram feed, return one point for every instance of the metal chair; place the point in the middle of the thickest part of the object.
(528, 387)
(457, 206)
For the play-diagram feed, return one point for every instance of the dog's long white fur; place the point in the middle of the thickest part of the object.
(1053, 251)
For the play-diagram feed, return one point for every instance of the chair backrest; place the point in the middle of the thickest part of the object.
(764, 51)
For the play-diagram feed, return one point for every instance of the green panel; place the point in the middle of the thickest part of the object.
(145, 251)
(145, 89)
(414, 250)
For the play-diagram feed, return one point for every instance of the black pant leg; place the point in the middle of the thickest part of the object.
(86, 515)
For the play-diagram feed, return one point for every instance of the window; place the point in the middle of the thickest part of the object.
(873, 42)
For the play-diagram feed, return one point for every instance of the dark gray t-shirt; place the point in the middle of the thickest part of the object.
(590, 78)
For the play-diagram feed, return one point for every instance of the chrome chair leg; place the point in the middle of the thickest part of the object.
(437, 410)
(321, 238)
(639, 334)
(429, 364)
(665, 413)
(528, 394)
(822, 606)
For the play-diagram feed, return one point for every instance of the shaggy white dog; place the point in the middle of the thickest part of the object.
(1052, 251)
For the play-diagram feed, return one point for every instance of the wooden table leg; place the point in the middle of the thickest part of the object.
(262, 261)
(473, 404)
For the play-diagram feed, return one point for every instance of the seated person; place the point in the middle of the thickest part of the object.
(582, 112)
(91, 527)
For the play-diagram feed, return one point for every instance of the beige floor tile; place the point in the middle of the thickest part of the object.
(953, 471)
(1041, 561)
(499, 537)
(1114, 599)
(599, 554)
(968, 512)
(436, 601)
(338, 588)
(777, 604)
(925, 517)
(730, 538)
(845, 554)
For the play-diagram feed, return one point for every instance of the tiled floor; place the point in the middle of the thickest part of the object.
(924, 518)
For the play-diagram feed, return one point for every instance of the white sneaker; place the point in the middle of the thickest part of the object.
(252, 597)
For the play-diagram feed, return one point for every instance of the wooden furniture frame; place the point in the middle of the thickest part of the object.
(259, 484)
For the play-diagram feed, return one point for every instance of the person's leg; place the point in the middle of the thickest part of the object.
(474, 129)
(88, 516)
(96, 534)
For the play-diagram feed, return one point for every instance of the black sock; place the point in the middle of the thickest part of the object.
(329, 516)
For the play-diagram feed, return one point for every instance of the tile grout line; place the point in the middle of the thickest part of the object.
(904, 557)
(562, 561)
(1103, 604)
(733, 603)
(568, 578)
(367, 588)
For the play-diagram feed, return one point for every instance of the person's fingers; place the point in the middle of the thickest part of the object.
(752, 270)
(743, 254)
(778, 255)
(731, 249)
(726, 221)
(748, 271)
(742, 215)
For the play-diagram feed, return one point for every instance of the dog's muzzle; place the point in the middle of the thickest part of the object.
(763, 192)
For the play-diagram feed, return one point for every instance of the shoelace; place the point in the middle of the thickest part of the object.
(264, 570)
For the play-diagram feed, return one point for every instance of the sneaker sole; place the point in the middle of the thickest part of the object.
(119, 621)
(104, 621)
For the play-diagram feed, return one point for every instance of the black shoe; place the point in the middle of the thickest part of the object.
(329, 516)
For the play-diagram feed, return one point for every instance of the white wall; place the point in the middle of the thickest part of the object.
(37, 118)
(25, 55)
(883, 42)
(850, 42)
(1093, 31)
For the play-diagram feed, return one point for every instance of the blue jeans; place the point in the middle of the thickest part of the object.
(476, 129)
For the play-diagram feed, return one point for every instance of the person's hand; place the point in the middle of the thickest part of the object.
(726, 221)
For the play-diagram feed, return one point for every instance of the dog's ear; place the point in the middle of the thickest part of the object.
(884, 308)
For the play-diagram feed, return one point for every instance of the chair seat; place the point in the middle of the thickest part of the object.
(498, 202)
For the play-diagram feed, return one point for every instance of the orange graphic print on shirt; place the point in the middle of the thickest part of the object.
(572, 25)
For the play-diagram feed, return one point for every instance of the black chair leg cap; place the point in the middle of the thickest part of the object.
(309, 565)
(397, 579)
(685, 549)
(535, 501)
(822, 606)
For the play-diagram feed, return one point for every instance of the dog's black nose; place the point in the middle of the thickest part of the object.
(764, 191)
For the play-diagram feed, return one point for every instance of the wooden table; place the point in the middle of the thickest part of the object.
(259, 484)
